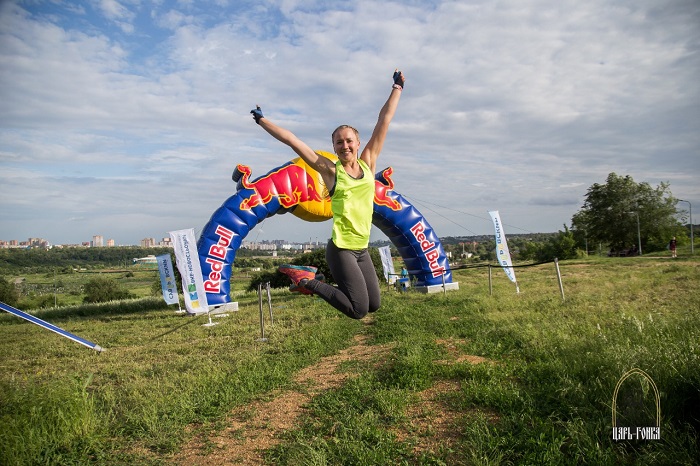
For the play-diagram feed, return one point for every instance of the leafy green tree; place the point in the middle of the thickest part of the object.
(486, 250)
(609, 215)
(100, 290)
(560, 246)
(8, 292)
(156, 287)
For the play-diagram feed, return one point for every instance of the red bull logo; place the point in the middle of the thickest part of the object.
(215, 259)
(381, 190)
(432, 254)
(289, 183)
(295, 184)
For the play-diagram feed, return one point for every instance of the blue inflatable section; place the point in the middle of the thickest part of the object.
(416, 241)
(287, 188)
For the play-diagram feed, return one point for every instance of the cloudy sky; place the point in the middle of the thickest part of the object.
(125, 118)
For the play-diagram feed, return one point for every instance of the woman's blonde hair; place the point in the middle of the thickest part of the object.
(357, 133)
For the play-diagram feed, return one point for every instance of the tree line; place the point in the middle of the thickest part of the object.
(618, 215)
(65, 259)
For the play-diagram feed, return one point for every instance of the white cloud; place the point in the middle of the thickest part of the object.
(172, 19)
(507, 106)
(114, 10)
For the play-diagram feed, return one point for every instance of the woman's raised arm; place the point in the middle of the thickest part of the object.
(320, 164)
(374, 146)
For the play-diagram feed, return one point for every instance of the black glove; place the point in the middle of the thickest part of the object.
(257, 114)
(399, 80)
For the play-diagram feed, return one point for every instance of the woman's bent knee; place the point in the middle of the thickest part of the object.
(358, 314)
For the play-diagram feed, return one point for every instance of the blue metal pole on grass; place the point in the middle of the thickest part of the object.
(48, 326)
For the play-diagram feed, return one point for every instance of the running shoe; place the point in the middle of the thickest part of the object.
(301, 288)
(297, 273)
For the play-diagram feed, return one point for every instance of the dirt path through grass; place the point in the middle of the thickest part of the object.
(249, 430)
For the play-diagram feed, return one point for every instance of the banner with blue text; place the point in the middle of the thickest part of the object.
(167, 279)
(187, 261)
(502, 252)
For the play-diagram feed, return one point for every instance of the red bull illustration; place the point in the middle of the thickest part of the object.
(382, 187)
(290, 183)
(297, 188)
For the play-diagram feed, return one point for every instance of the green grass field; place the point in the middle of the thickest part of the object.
(66, 289)
(462, 378)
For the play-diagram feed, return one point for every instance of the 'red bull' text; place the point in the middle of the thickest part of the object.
(431, 252)
(215, 259)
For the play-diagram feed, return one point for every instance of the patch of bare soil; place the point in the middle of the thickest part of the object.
(256, 427)
(432, 423)
(250, 430)
(456, 356)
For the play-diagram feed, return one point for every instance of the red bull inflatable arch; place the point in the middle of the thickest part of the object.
(297, 188)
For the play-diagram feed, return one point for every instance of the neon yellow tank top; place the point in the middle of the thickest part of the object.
(352, 204)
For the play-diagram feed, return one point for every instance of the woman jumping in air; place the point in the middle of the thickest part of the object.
(350, 183)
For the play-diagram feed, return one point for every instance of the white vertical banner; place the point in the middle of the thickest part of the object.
(387, 263)
(167, 279)
(187, 260)
(502, 252)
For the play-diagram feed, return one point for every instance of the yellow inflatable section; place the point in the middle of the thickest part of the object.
(312, 210)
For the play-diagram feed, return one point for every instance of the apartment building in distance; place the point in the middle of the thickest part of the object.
(30, 243)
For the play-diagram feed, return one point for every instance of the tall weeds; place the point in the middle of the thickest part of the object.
(543, 396)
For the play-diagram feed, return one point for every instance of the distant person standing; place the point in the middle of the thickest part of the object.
(672, 246)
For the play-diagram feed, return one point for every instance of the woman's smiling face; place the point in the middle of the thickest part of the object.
(346, 144)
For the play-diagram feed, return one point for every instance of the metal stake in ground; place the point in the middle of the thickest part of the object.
(490, 285)
(269, 302)
(561, 285)
(262, 320)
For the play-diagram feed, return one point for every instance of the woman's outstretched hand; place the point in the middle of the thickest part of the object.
(399, 80)
(257, 114)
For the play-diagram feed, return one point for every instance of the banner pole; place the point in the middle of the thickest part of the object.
(48, 326)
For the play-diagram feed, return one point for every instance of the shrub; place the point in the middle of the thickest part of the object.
(8, 292)
(100, 290)
(34, 301)
(561, 246)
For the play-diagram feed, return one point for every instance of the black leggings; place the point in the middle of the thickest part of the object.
(357, 292)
